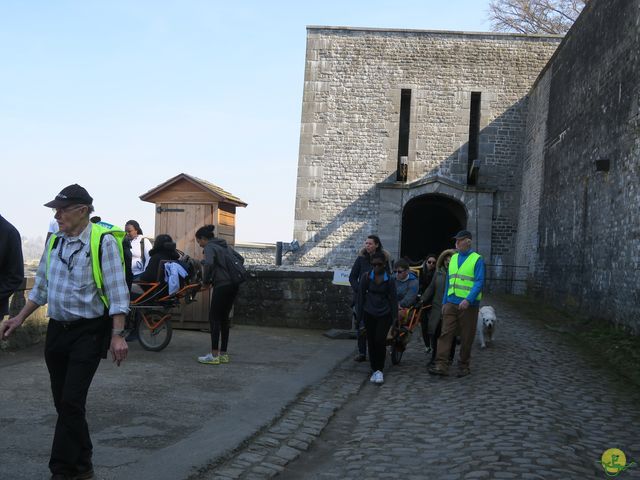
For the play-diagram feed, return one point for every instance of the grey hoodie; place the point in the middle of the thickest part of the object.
(213, 270)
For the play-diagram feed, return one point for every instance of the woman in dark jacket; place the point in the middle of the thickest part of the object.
(371, 245)
(432, 323)
(223, 296)
(164, 248)
(376, 306)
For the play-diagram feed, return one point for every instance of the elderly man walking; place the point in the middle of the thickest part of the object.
(460, 305)
(82, 279)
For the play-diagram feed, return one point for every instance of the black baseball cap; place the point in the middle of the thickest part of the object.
(71, 195)
(463, 234)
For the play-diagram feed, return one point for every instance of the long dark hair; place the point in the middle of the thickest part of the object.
(206, 231)
(135, 225)
(376, 239)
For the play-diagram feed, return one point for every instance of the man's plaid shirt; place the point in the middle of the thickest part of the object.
(70, 291)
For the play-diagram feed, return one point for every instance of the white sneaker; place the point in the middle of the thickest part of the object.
(210, 359)
(373, 377)
(377, 377)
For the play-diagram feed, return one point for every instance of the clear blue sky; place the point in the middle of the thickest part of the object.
(121, 95)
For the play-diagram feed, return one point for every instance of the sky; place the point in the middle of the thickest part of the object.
(122, 95)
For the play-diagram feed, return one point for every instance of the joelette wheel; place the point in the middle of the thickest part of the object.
(154, 330)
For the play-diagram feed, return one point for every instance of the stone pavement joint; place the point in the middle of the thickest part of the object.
(291, 434)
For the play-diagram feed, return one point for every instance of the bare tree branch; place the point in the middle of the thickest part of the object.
(553, 17)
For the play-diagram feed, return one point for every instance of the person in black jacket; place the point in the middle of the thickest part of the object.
(377, 306)
(372, 244)
(223, 296)
(11, 264)
(164, 248)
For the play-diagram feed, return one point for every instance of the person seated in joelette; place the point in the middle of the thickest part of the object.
(164, 248)
(407, 285)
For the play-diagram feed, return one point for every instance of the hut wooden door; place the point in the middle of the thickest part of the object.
(181, 220)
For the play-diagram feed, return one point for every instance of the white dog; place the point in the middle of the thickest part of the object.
(486, 325)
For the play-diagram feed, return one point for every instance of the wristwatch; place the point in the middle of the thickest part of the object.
(118, 331)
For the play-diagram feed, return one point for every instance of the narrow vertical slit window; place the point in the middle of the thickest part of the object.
(474, 138)
(403, 135)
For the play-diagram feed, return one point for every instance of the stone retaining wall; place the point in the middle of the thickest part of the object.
(293, 298)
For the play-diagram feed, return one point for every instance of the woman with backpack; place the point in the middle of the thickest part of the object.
(376, 306)
(218, 271)
(372, 244)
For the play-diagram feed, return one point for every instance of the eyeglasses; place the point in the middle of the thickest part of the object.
(68, 209)
(401, 271)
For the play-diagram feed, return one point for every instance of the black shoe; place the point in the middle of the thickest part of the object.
(463, 372)
(360, 358)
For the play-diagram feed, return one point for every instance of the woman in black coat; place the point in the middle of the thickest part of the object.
(376, 307)
(362, 265)
(164, 248)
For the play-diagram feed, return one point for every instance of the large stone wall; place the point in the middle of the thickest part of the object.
(293, 298)
(527, 238)
(580, 228)
(350, 121)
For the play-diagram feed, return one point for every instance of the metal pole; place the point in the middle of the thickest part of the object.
(278, 253)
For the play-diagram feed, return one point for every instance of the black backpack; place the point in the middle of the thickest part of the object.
(233, 263)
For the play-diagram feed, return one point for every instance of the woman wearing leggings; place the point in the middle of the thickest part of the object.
(224, 294)
(376, 306)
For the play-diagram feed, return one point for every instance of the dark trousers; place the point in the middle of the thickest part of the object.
(377, 328)
(221, 303)
(424, 324)
(361, 335)
(72, 354)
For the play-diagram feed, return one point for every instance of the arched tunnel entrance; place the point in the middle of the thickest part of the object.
(428, 223)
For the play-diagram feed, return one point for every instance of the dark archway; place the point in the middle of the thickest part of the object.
(428, 223)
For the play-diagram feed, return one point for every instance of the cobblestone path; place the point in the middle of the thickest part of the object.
(533, 408)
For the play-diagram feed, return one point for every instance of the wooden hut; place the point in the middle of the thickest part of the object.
(183, 204)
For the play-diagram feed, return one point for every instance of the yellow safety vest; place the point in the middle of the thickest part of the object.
(98, 230)
(461, 278)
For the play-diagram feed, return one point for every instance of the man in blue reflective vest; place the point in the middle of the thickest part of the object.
(460, 305)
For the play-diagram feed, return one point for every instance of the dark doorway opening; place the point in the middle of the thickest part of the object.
(428, 223)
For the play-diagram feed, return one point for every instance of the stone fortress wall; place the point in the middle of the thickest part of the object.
(579, 228)
(555, 204)
(350, 122)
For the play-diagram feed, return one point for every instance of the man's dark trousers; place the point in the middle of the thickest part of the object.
(72, 353)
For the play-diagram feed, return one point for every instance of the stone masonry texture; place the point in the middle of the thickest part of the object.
(579, 229)
(293, 298)
(547, 221)
(350, 122)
